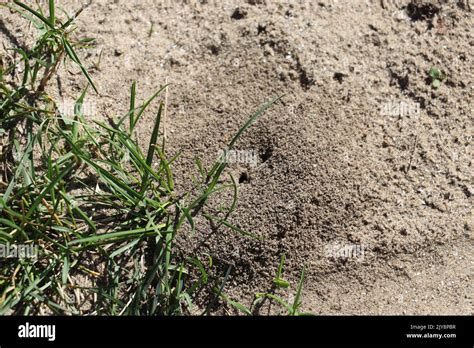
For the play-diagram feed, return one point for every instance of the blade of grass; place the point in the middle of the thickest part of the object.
(133, 94)
(35, 13)
(122, 235)
(72, 54)
(232, 227)
(52, 17)
(151, 148)
(297, 301)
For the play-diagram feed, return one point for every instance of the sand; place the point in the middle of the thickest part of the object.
(362, 153)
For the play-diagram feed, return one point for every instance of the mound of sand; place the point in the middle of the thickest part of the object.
(362, 152)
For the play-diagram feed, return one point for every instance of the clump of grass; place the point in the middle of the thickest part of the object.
(292, 309)
(89, 198)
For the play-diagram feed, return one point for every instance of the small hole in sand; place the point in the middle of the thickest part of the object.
(265, 156)
(244, 177)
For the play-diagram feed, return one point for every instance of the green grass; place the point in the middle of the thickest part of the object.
(436, 76)
(97, 206)
(292, 309)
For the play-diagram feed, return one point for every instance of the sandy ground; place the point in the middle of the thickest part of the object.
(333, 166)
